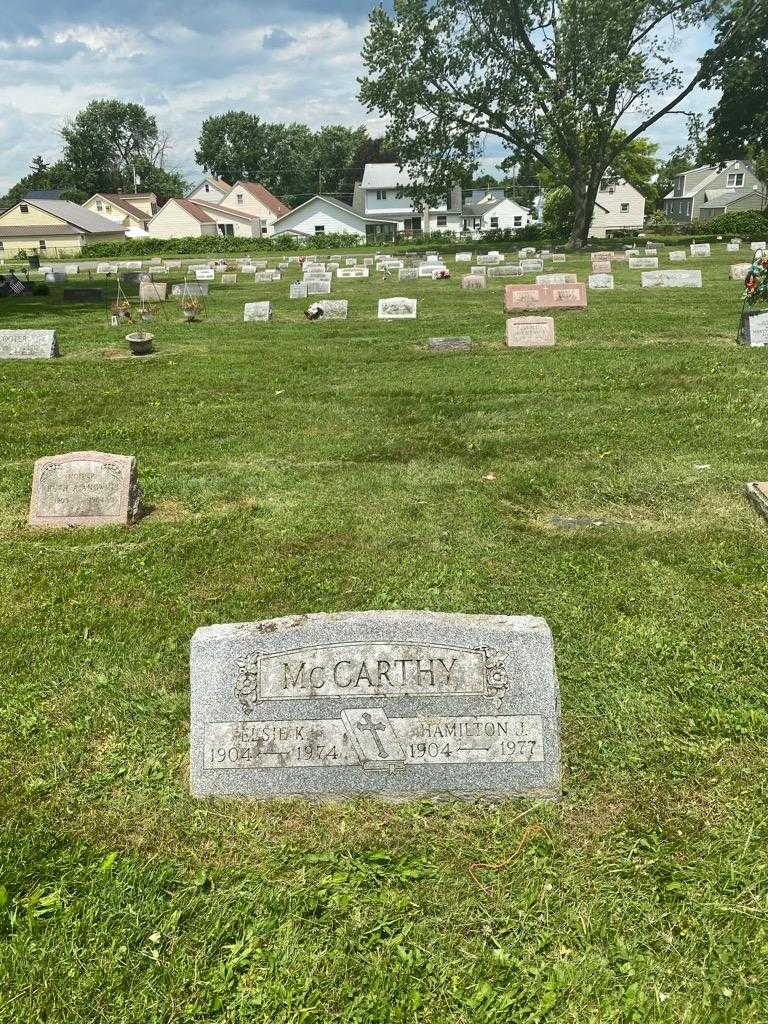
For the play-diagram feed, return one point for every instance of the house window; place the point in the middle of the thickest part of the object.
(23, 208)
(108, 207)
(239, 198)
(1, 246)
(207, 187)
(448, 200)
(518, 222)
(442, 221)
(264, 229)
(494, 222)
(99, 206)
(625, 207)
(381, 194)
(227, 229)
(41, 244)
(611, 190)
(735, 180)
(319, 229)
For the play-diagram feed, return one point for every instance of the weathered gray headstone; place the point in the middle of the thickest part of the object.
(477, 271)
(757, 492)
(85, 489)
(257, 312)
(228, 279)
(671, 279)
(315, 287)
(678, 256)
(473, 281)
(333, 309)
(738, 271)
(192, 288)
(394, 704)
(643, 263)
(505, 270)
(700, 249)
(463, 257)
(558, 257)
(28, 344)
(297, 290)
(600, 282)
(153, 291)
(556, 279)
(407, 273)
(754, 329)
(530, 331)
(83, 295)
(732, 247)
(397, 309)
(532, 266)
(458, 344)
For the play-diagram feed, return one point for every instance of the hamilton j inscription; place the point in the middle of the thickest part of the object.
(400, 704)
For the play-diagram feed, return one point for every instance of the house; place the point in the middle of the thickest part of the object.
(252, 198)
(704, 192)
(619, 207)
(53, 226)
(209, 190)
(132, 210)
(494, 212)
(384, 194)
(187, 218)
(324, 215)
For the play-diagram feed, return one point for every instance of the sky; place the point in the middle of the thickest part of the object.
(289, 60)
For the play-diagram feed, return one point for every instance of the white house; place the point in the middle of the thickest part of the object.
(132, 210)
(322, 215)
(384, 193)
(184, 218)
(209, 190)
(619, 207)
(250, 197)
(494, 213)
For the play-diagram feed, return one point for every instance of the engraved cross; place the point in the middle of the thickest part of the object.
(368, 725)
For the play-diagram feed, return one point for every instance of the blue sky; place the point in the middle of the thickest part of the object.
(285, 61)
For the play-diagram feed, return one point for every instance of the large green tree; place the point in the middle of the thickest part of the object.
(289, 159)
(560, 76)
(110, 144)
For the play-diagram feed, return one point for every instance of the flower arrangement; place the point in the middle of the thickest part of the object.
(121, 308)
(756, 281)
(191, 306)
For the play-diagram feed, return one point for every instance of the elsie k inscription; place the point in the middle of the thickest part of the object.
(386, 669)
(370, 739)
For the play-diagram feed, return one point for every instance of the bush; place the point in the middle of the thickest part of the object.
(204, 245)
(750, 224)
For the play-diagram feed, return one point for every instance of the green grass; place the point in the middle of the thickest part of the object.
(297, 467)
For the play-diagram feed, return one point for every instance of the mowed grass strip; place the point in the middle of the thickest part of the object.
(293, 467)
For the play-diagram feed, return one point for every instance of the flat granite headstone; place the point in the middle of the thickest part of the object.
(600, 282)
(671, 279)
(317, 287)
(738, 271)
(732, 247)
(601, 267)
(28, 344)
(333, 309)
(228, 279)
(397, 309)
(297, 290)
(700, 249)
(556, 279)
(473, 281)
(530, 331)
(678, 256)
(757, 492)
(257, 312)
(643, 263)
(191, 288)
(463, 257)
(532, 266)
(85, 489)
(754, 329)
(83, 295)
(756, 246)
(558, 257)
(407, 274)
(458, 344)
(393, 704)
(153, 291)
(477, 271)
(505, 270)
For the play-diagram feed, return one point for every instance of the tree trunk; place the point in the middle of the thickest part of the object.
(580, 226)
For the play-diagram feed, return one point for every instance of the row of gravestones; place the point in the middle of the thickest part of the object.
(394, 704)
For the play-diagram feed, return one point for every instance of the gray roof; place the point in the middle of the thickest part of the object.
(718, 198)
(45, 230)
(92, 223)
(385, 176)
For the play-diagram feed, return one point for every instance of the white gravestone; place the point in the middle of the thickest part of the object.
(556, 279)
(298, 290)
(152, 291)
(643, 263)
(257, 312)
(473, 281)
(85, 489)
(316, 287)
(671, 279)
(754, 329)
(333, 309)
(505, 270)
(204, 274)
(678, 256)
(701, 249)
(463, 257)
(28, 344)
(738, 271)
(532, 266)
(530, 332)
(600, 282)
(397, 308)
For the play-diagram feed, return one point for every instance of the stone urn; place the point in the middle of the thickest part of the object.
(141, 343)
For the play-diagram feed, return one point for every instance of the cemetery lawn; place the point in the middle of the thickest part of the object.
(296, 467)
